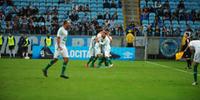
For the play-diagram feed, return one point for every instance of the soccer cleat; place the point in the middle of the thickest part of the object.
(194, 83)
(111, 65)
(63, 76)
(44, 72)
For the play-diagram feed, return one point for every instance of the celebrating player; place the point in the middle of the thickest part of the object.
(91, 51)
(60, 49)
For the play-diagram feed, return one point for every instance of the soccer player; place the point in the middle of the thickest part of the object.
(1, 43)
(97, 47)
(11, 44)
(195, 45)
(25, 44)
(91, 51)
(187, 53)
(60, 49)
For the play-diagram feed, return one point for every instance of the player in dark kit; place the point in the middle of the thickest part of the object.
(187, 53)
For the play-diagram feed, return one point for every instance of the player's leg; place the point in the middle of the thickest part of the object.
(0, 50)
(90, 60)
(53, 61)
(26, 51)
(196, 62)
(10, 51)
(64, 53)
(195, 73)
(64, 68)
(13, 51)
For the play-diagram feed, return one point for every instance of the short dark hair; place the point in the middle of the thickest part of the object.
(66, 22)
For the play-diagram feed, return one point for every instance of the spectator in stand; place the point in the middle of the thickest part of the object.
(16, 24)
(3, 25)
(157, 30)
(112, 25)
(158, 7)
(113, 4)
(74, 16)
(106, 4)
(149, 30)
(87, 8)
(94, 21)
(181, 5)
(119, 4)
(165, 31)
(115, 16)
(193, 14)
(100, 16)
(145, 14)
(166, 5)
(177, 32)
(107, 16)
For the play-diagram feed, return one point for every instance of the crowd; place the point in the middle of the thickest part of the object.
(163, 13)
(30, 20)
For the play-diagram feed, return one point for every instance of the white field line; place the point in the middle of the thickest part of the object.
(165, 66)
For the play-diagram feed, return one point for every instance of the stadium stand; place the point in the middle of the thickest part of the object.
(173, 15)
(45, 16)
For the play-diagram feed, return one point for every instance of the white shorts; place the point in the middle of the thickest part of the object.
(196, 57)
(97, 49)
(107, 52)
(63, 52)
(91, 52)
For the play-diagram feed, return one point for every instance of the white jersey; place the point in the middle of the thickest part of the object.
(105, 43)
(196, 45)
(62, 33)
(92, 46)
(92, 42)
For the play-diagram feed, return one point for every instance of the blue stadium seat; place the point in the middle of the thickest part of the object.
(145, 22)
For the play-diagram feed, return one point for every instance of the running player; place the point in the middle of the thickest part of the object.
(60, 49)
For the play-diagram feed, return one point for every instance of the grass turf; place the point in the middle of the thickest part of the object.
(128, 80)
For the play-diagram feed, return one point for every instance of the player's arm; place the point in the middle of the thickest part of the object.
(58, 42)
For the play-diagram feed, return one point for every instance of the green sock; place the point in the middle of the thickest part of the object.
(109, 61)
(100, 61)
(93, 61)
(106, 61)
(63, 68)
(50, 64)
(195, 72)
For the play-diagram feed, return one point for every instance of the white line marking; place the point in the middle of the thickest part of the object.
(165, 66)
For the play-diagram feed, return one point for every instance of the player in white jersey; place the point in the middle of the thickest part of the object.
(106, 48)
(195, 46)
(91, 51)
(60, 49)
(97, 45)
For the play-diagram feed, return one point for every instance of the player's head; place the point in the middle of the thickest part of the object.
(187, 35)
(103, 35)
(66, 24)
(48, 35)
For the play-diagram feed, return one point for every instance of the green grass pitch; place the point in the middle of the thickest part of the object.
(128, 80)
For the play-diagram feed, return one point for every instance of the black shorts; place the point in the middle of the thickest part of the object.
(0, 47)
(187, 54)
(129, 44)
(24, 49)
(11, 47)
